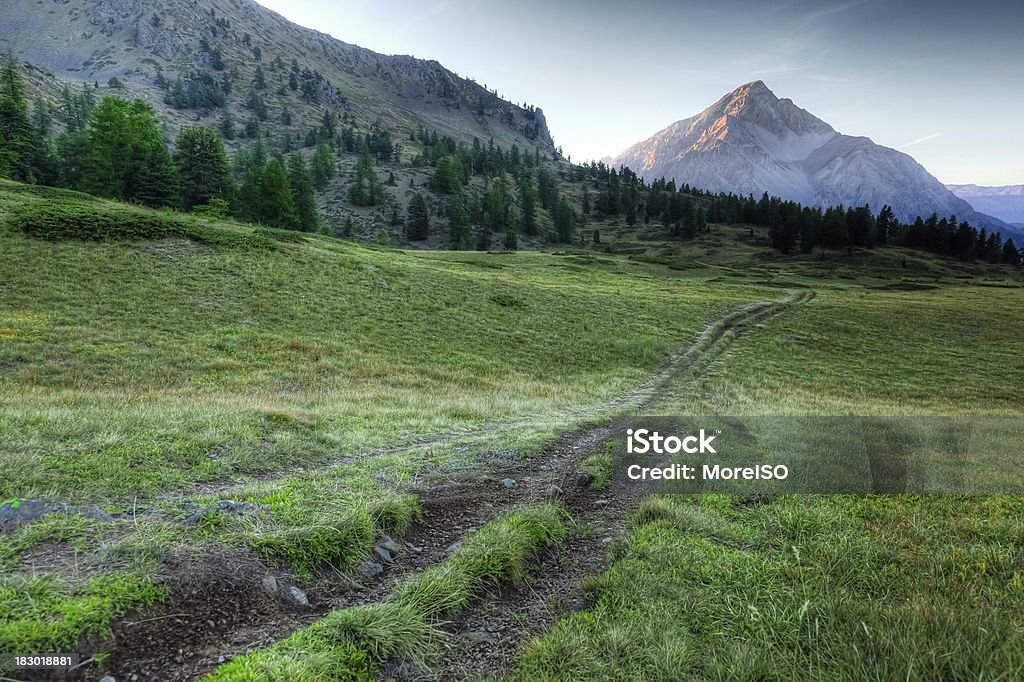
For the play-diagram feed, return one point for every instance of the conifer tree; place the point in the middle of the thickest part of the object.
(1010, 255)
(23, 151)
(275, 200)
(155, 181)
(511, 239)
(126, 152)
(458, 222)
(365, 189)
(418, 218)
(527, 204)
(302, 194)
(322, 166)
(202, 167)
(448, 175)
(565, 222)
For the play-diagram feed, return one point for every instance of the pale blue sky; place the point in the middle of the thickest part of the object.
(941, 80)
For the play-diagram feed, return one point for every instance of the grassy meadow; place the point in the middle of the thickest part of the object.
(168, 359)
(837, 587)
(132, 368)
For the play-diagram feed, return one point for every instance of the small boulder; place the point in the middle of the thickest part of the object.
(583, 479)
(509, 482)
(390, 545)
(298, 596)
(369, 569)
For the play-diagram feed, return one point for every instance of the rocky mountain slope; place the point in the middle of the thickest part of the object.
(217, 45)
(1005, 203)
(750, 142)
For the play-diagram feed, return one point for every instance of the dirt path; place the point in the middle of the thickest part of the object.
(224, 612)
(708, 344)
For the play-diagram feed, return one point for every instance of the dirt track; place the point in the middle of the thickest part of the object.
(219, 610)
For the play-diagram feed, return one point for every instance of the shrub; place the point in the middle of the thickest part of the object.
(95, 222)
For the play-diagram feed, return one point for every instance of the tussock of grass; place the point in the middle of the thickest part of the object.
(313, 523)
(344, 645)
(497, 553)
(342, 542)
(841, 587)
(599, 466)
(349, 644)
(393, 513)
(44, 614)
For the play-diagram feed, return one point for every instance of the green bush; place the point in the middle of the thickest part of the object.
(107, 221)
(96, 222)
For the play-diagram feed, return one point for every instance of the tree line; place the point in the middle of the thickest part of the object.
(115, 148)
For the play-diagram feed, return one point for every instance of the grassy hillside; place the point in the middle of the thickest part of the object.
(225, 360)
(175, 369)
(128, 363)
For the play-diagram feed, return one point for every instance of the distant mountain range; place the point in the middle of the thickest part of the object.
(1005, 203)
(751, 142)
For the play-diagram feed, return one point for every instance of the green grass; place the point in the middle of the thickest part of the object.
(134, 368)
(47, 614)
(599, 467)
(351, 643)
(844, 588)
(164, 357)
(825, 587)
(953, 350)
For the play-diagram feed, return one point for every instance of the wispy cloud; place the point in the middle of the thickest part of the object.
(809, 19)
(782, 68)
(920, 140)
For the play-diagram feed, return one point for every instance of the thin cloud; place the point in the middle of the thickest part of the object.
(920, 140)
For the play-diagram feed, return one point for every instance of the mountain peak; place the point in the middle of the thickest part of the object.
(754, 106)
(755, 88)
(750, 142)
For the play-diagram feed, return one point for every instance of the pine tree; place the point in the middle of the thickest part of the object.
(275, 199)
(565, 222)
(511, 239)
(886, 223)
(124, 142)
(245, 205)
(323, 166)
(155, 181)
(23, 151)
(497, 205)
(527, 204)
(365, 189)
(202, 167)
(458, 222)
(418, 218)
(701, 224)
(448, 175)
(302, 194)
(1010, 255)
